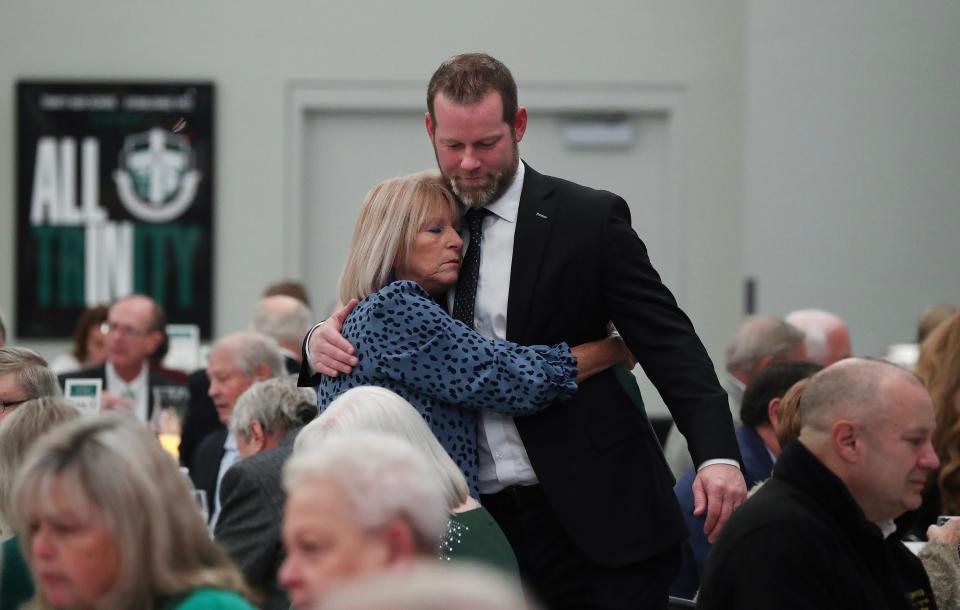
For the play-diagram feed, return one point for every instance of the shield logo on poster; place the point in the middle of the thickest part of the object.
(157, 178)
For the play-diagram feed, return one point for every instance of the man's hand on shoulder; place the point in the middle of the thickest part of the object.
(331, 354)
(717, 490)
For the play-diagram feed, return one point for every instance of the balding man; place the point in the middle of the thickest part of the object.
(818, 534)
(134, 328)
(287, 320)
(826, 337)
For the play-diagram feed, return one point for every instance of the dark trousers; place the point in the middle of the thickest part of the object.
(557, 571)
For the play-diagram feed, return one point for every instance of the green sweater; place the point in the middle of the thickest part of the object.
(16, 586)
(207, 599)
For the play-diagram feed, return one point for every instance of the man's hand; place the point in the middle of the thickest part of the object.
(331, 354)
(717, 490)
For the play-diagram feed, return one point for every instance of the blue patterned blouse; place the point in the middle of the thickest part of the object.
(407, 343)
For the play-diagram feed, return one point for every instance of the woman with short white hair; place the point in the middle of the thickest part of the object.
(471, 533)
(108, 522)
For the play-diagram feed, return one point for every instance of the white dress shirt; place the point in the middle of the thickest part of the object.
(230, 457)
(137, 390)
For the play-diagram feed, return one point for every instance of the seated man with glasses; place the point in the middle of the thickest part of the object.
(23, 376)
(134, 331)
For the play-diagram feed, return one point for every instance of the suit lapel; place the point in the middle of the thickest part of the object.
(534, 223)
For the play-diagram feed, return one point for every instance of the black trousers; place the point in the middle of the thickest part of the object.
(559, 574)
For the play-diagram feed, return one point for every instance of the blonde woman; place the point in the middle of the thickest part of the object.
(107, 522)
(471, 533)
(404, 258)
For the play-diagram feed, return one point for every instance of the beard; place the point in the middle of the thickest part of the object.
(495, 186)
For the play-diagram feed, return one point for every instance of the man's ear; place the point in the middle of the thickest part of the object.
(263, 371)
(155, 338)
(258, 436)
(519, 123)
(847, 441)
(772, 407)
(428, 121)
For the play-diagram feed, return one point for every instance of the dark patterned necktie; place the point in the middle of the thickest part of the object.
(466, 296)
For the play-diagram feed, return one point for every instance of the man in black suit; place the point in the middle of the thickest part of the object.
(580, 489)
(134, 331)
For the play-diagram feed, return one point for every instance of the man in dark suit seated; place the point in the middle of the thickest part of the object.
(283, 318)
(236, 362)
(820, 532)
(134, 327)
(265, 421)
(759, 448)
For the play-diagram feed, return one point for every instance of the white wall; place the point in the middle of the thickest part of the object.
(252, 51)
(853, 152)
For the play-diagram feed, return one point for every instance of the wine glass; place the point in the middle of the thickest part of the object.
(200, 497)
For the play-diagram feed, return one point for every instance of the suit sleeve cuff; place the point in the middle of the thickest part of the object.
(718, 461)
(306, 343)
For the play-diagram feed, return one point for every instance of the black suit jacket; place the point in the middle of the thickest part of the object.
(155, 379)
(251, 515)
(577, 264)
(205, 464)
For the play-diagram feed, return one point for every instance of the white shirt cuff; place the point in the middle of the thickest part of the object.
(310, 334)
(718, 461)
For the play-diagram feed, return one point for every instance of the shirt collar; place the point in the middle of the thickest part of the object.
(508, 205)
(230, 444)
(114, 380)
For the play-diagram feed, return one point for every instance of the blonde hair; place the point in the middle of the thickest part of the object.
(114, 465)
(939, 367)
(18, 432)
(375, 409)
(390, 218)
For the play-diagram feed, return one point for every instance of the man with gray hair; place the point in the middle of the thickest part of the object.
(819, 533)
(265, 421)
(760, 341)
(24, 375)
(236, 362)
(826, 337)
(373, 503)
(287, 321)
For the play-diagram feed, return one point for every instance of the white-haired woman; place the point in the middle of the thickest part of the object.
(404, 258)
(471, 532)
(18, 432)
(107, 522)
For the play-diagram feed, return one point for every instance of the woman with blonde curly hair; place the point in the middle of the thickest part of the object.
(939, 367)
(107, 522)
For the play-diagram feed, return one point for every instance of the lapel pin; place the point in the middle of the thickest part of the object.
(539, 215)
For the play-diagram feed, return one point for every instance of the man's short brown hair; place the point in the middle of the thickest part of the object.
(467, 78)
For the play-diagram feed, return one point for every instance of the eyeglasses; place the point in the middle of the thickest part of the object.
(110, 327)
